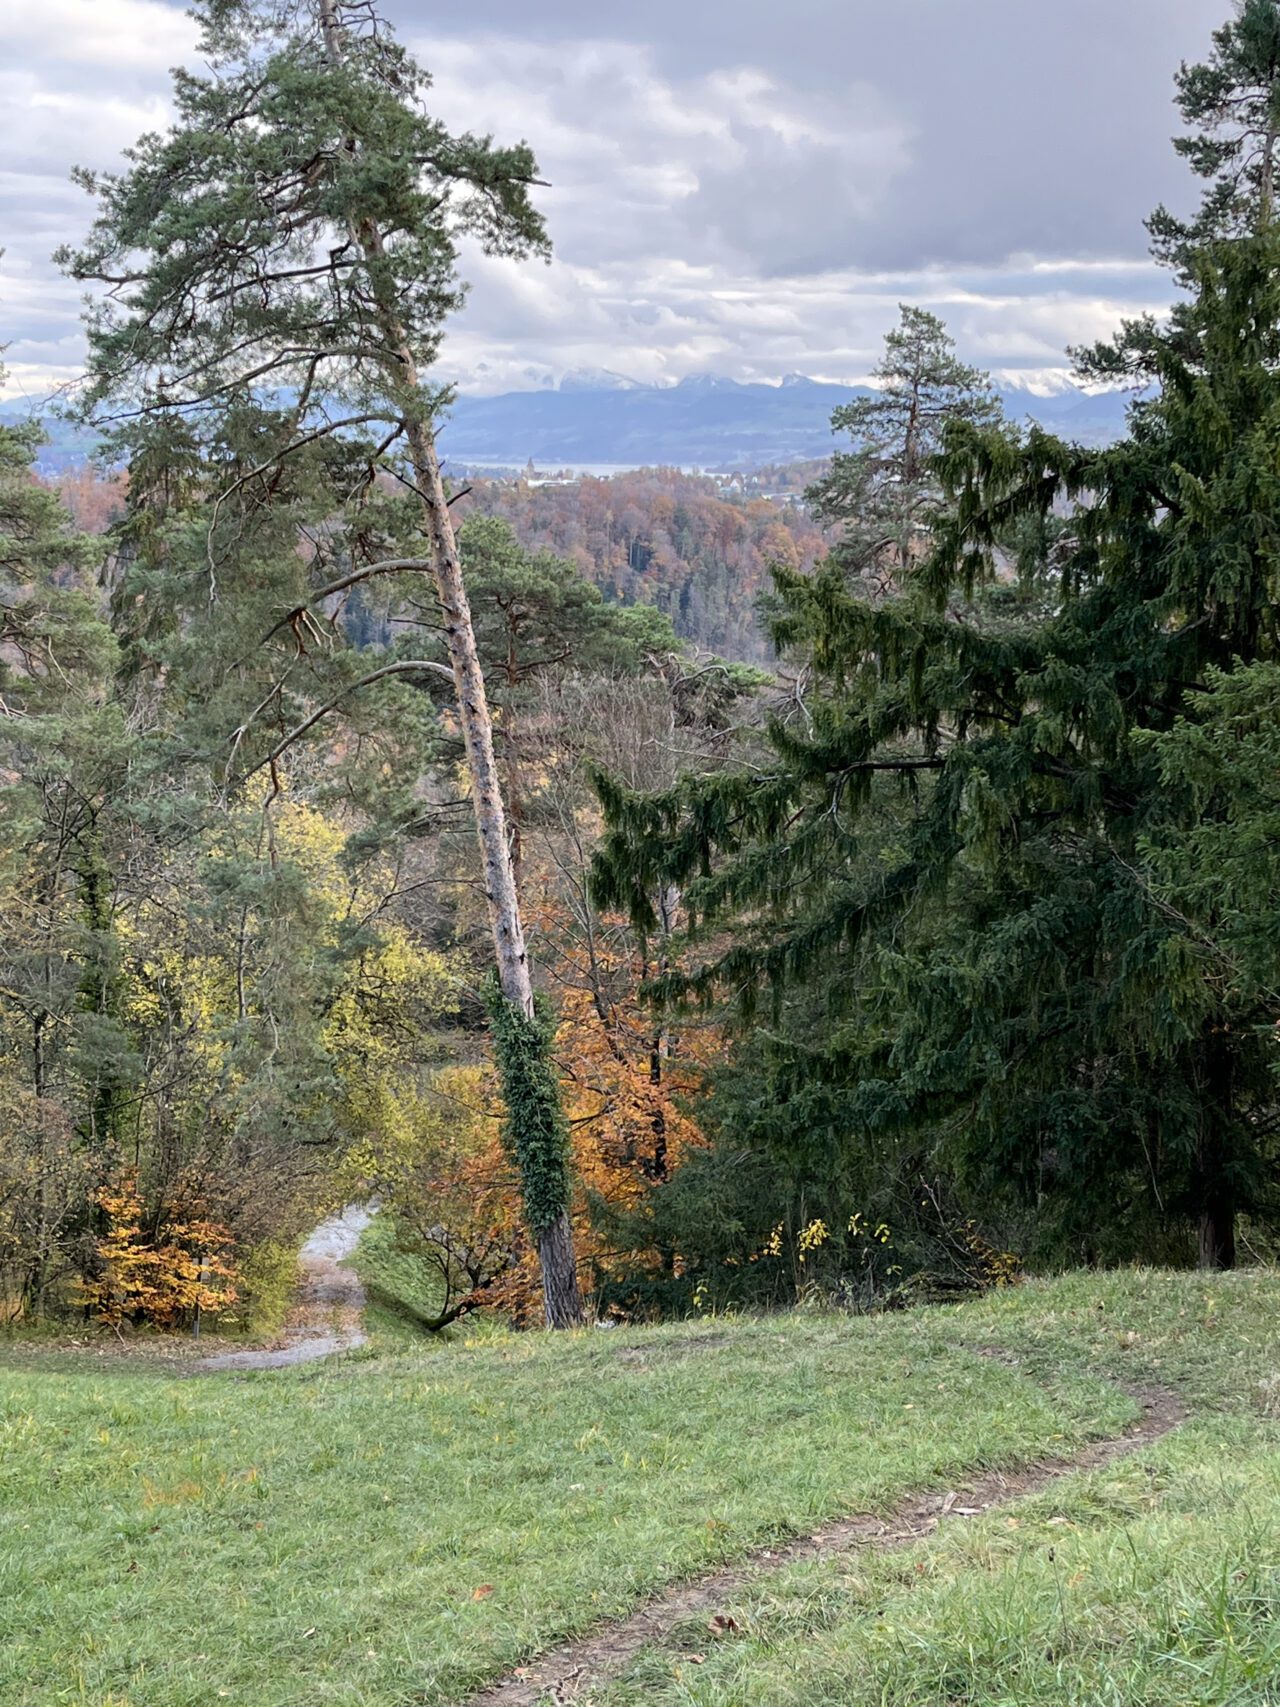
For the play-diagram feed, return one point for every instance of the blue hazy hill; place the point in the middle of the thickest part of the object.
(704, 421)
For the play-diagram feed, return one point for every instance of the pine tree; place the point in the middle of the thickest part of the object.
(884, 492)
(536, 618)
(50, 625)
(1233, 101)
(278, 268)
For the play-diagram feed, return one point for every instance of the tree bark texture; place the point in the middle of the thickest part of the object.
(555, 1242)
(1215, 1188)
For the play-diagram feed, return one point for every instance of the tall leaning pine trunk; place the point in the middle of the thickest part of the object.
(540, 1161)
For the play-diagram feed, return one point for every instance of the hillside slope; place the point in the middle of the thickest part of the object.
(408, 1526)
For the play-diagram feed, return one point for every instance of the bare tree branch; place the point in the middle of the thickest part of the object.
(406, 666)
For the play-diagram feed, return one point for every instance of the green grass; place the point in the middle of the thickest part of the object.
(320, 1535)
(402, 1291)
(1152, 1583)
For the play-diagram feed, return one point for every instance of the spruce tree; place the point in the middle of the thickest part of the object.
(276, 272)
(983, 846)
(1223, 876)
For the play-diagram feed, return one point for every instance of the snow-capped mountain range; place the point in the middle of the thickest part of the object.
(704, 421)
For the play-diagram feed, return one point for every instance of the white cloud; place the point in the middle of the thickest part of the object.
(716, 222)
(660, 320)
(133, 35)
(724, 218)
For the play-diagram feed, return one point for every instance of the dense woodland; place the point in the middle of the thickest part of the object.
(874, 895)
(698, 549)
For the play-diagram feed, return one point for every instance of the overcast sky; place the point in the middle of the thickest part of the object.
(743, 187)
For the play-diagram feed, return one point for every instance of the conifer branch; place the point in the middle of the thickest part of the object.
(406, 666)
(388, 566)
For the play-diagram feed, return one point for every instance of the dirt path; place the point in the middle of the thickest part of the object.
(327, 1315)
(566, 1673)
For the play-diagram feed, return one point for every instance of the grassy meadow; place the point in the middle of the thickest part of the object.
(404, 1523)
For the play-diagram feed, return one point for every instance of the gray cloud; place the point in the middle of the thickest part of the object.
(741, 187)
(1039, 127)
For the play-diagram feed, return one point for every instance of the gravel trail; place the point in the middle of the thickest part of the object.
(327, 1315)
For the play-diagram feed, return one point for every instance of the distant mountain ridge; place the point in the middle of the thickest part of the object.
(706, 422)
(594, 420)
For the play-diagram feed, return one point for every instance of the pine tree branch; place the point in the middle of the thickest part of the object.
(388, 566)
(406, 666)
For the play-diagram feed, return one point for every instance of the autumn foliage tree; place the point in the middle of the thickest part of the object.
(692, 548)
(164, 1275)
(629, 1080)
(452, 1191)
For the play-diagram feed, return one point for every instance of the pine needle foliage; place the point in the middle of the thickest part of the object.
(1231, 102)
(273, 274)
(228, 253)
(882, 493)
(50, 626)
(239, 363)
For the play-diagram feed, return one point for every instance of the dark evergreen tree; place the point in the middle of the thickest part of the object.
(1222, 878)
(977, 845)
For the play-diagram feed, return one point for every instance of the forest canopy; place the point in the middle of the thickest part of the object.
(660, 892)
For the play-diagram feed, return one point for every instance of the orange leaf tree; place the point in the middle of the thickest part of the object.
(164, 1276)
